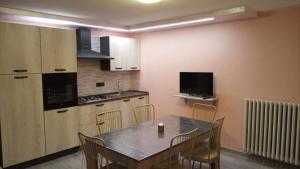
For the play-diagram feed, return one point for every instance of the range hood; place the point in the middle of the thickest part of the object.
(84, 51)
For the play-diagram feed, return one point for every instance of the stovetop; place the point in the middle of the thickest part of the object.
(109, 96)
(90, 99)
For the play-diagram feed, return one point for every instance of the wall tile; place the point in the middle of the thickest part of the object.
(89, 73)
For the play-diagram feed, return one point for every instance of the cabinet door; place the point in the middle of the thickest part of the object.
(87, 116)
(117, 51)
(61, 128)
(58, 47)
(140, 101)
(22, 119)
(133, 55)
(127, 106)
(19, 49)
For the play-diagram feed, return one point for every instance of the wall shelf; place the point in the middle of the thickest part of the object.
(189, 97)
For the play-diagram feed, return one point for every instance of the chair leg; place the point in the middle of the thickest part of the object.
(200, 165)
(212, 165)
(218, 164)
(193, 164)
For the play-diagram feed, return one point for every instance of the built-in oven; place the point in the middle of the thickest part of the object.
(59, 90)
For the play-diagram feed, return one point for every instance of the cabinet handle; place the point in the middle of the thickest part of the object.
(61, 111)
(127, 100)
(20, 70)
(133, 67)
(100, 123)
(119, 68)
(141, 97)
(60, 70)
(99, 105)
(21, 77)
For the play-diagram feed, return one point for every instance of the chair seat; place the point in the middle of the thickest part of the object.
(205, 155)
(202, 146)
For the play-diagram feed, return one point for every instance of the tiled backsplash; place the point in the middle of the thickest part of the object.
(89, 73)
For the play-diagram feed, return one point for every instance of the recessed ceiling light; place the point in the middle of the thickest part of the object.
(148, 1)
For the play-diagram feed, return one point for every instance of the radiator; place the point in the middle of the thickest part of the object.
(272, 130)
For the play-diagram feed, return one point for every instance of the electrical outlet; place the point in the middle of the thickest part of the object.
(100, 84)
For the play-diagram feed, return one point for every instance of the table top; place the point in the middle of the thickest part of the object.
(141, 141)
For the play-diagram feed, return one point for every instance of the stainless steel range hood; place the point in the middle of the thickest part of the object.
(84, 46)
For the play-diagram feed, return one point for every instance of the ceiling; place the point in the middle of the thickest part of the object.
(131, 12)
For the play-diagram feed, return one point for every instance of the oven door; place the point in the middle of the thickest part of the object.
(59, 90)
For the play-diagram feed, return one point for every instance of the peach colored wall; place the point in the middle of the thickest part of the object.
(257, 58)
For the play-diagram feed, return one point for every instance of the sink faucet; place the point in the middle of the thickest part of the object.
(118, 87)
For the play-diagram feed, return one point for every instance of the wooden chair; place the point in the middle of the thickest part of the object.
(144, 113)
(179, 144)
(211, 153)
(95, 153)
(109, 121)
(204, 112)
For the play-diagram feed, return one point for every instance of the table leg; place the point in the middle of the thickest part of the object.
(213, 165)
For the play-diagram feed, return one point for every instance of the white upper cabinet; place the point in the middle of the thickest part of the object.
(124, 51)
(19, 49)
(133, 59)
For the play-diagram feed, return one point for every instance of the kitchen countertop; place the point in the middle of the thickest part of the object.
(105, 97)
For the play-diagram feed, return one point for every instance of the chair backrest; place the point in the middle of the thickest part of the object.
(144, 113)
(109, 121)
(91, 147)
(215, 135)
(204, 112)
(183, 143)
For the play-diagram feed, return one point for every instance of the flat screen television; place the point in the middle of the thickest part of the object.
(197, 83)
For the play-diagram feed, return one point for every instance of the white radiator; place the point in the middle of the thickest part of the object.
(272, 130)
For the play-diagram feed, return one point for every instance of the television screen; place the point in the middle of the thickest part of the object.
(197, 83)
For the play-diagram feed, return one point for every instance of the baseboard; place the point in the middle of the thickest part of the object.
(43, 159)
(260, 160)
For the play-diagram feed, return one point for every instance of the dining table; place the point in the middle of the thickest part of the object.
(141, 146)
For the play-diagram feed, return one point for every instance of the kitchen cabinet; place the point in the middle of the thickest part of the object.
(140, 101)
(22, 118)
(61, 129)
(125, 51)
(19, 49)
(133, 58)
(87, 116)
(127, 108)
(58, 48)
(87, 113)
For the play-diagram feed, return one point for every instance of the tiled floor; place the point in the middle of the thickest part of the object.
(229, 160)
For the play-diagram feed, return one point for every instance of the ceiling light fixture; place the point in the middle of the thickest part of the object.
(70, 23)
(76, 24)
(148, 1)
(171, 25)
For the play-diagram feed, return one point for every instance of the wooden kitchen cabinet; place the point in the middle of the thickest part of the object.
(87, 116)
(22, 118)
(87, 113)
(19, 49)
(58, 48)
(124, 51)
(140, 101)
(127, 107)
(61, 129)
